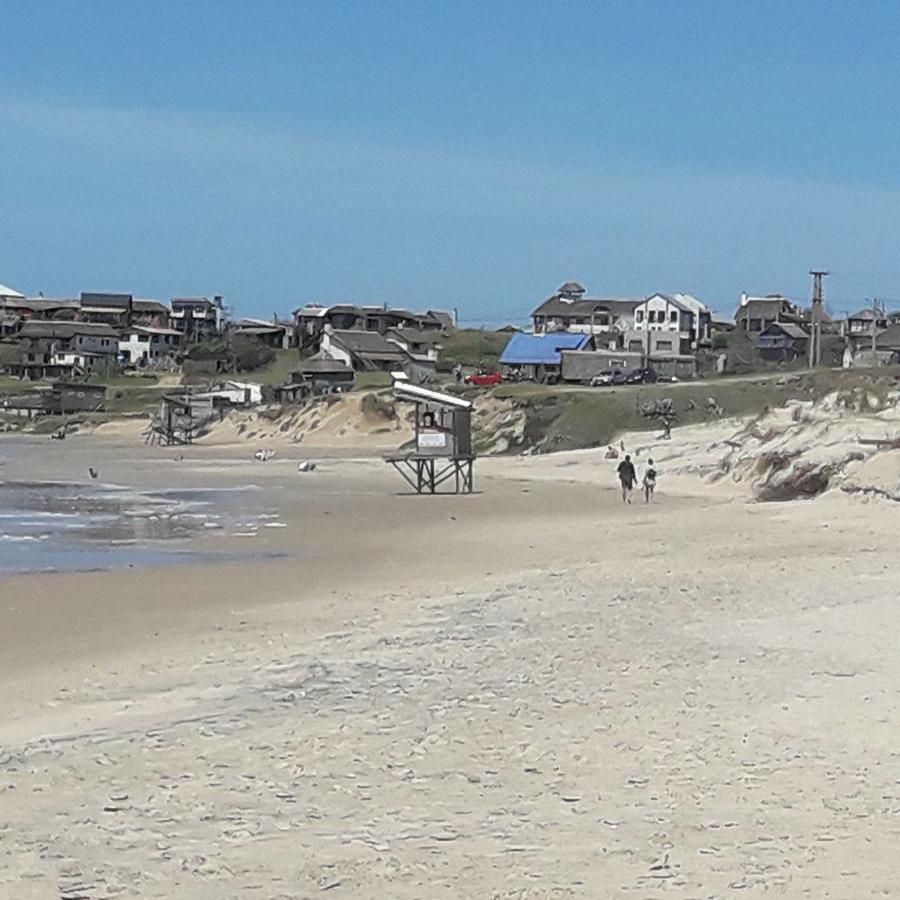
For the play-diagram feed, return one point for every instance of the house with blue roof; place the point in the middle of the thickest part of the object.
(538, 357)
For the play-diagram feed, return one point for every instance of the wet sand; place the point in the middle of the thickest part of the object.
(530, 692)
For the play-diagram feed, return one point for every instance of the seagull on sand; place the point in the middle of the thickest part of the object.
(92, 472)
(306, 466)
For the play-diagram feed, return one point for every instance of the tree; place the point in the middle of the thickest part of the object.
(249, 354)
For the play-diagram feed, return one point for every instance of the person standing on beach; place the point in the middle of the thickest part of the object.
(649, 481)
(458, 372)
(627, 478)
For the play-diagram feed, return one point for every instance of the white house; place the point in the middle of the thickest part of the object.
(86, 360)
(141, 345)
(239, 393)
(680, 314)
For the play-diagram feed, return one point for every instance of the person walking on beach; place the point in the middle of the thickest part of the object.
(627, 478)
(649, 481)
(458, 372)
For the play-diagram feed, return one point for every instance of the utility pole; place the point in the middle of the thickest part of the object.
(816, 316)
(878, 306)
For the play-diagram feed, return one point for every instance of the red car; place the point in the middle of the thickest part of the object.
(483, 378)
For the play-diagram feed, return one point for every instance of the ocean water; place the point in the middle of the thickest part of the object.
(62, 526)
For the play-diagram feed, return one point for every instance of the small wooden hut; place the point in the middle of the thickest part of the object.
(174, 424)
(442, 452)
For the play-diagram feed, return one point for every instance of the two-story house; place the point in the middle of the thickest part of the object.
(311, 321)
(197, 318)
(16, 310)
(150, 313)
(862, 328)
(122, 310)
(142, 345)
(270, 332)
(362, 351)
(670, 323)
(570, 309)
(417, 343)
(756, 314)
(54, 348)
(105, 308)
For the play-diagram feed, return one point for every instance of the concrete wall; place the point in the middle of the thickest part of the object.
(583, 365)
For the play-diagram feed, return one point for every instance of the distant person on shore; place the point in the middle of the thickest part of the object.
(627, 478)
(458, 373)
(649, 481)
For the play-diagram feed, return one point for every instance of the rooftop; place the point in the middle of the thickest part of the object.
(65, 330)
(414, 335)
(149, 329)
(540, 349)
(367, 343)
(564, 306)
(320, 363)
(106, 299)
(404, 390)
(889, 339)
(192, 301)
(36, 304)
(674, 299)
(145, 305)
(790, 329)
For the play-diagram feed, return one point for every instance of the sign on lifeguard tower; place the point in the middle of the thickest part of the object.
(443, 441)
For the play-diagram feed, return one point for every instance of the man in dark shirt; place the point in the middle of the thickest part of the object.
(627, 478)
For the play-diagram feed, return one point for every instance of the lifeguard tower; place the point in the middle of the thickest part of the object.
(443, 442)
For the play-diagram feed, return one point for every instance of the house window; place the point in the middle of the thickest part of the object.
(663, 345)
(639, 316)
(755, 325)
(673, 315)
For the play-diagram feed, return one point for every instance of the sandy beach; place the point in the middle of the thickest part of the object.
(534, 691)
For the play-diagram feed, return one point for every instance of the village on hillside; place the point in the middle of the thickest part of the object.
(60, 354)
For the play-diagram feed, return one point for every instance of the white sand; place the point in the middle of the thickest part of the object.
(531, 692)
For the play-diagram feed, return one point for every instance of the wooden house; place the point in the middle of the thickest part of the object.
(782, 342)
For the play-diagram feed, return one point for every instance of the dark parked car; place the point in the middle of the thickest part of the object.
(642, 376)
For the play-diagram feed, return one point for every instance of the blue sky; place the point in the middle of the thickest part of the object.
(464, 154)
